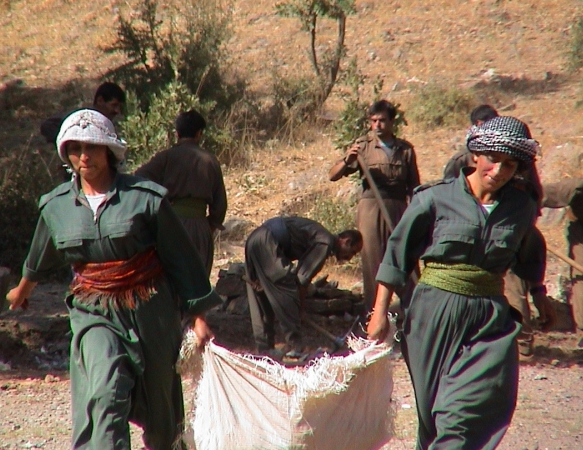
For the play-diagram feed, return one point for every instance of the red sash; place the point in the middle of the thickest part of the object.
(119, 282)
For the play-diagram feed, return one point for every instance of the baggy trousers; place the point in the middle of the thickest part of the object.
(278, 298)
(199, 231)
(123, 369)
(463, 360)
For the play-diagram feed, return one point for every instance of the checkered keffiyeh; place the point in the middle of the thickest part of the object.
(503, 134)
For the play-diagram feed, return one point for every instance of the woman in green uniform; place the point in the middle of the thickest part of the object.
(459, 330)
(136, 276)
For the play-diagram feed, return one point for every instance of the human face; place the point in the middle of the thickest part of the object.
(381, 125)
(346, 252)
(88, 160)
(110, 108)
(494, 170)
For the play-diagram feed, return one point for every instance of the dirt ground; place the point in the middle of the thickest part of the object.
(34, 383)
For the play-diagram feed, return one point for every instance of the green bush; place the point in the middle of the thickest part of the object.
(150, 132)
(296, 99)
(334, 214)
(434, 106)
(186, 44)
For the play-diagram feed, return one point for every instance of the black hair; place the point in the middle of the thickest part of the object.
(482, 113)
(382, 106)
(189, 123)
(112, 161)
(109, 91)
(354, 236)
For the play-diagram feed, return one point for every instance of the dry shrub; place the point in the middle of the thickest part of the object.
(25, 177)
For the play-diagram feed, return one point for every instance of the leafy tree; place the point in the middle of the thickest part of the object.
(326, 64)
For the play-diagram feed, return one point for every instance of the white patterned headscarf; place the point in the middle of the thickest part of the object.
(92, 127)
(503, 134)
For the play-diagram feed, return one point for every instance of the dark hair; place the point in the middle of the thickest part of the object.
(189, 123)
(382, 106)
(354, 236)
(482, 113)
(109, 91)
(112, 161)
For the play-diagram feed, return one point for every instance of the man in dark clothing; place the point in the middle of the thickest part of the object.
(275, 286)
(393, 166)
(109, 99)
(195, 184)
(463, 158)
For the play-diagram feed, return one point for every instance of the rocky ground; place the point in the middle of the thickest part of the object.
(34, 384)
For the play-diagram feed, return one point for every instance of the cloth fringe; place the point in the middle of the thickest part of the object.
(118, 282)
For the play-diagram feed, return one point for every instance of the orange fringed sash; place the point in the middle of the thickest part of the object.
(119, 282)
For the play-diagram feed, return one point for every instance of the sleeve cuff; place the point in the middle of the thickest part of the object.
(391, 275)
(200, 305)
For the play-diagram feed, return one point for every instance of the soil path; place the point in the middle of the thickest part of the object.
(35, 403)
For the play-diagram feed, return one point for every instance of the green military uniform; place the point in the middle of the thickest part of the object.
(395, 173)
(515, 288)
(562, 194)
(120, 353)
(194, 181)
(270, 251)
(461, 349)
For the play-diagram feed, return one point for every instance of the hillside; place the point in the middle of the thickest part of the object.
(510, 52)
(52, 52)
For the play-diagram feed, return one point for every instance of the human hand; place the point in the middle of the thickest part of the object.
(546, 312)
(16, 298)
(202, 331)
(351, 154)
(378, 326)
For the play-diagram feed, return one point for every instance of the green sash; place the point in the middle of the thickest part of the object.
(463, 279)
(189, 208)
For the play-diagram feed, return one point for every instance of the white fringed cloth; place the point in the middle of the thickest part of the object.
(333, 403)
